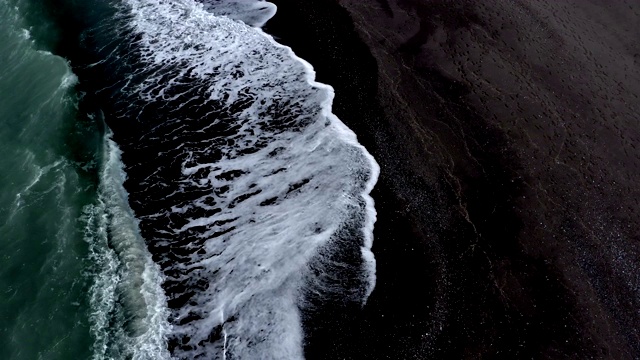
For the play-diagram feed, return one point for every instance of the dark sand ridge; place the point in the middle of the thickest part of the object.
(507, 135)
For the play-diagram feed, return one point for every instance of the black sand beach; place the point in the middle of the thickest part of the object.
(507, 135)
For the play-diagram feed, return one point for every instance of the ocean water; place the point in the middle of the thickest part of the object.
(177, 186)
(46, 181)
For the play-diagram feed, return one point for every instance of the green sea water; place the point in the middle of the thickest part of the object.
(48, 162)
(76, 278)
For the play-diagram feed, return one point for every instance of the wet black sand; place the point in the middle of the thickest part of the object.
(507, 137)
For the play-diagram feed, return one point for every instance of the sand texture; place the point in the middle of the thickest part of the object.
(507, 133)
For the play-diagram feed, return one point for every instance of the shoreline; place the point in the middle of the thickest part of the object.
(482, 241)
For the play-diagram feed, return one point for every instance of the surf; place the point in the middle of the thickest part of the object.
(250, 195)
(128, 307)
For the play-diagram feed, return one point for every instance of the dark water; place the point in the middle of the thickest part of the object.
(185, 194)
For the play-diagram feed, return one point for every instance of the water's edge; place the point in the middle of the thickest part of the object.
(217, 323)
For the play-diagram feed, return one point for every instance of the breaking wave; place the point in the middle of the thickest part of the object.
(128, 307)
(245, 185)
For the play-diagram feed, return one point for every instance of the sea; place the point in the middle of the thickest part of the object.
(174, 184)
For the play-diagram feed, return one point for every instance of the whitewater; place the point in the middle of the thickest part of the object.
(279, 180)
(229, 200)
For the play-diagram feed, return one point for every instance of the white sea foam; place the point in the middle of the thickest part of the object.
(283, 183)
(26, 34)
(251, 12)
(128, 306)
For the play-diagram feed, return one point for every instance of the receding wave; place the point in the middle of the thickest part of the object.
(244, 183)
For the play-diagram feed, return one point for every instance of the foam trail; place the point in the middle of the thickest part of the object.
(128, 305)
(244, 182)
